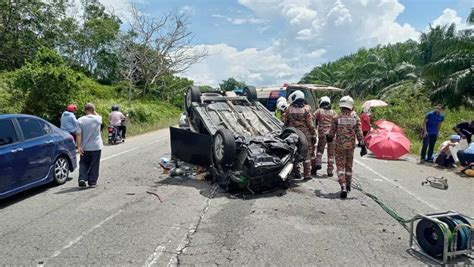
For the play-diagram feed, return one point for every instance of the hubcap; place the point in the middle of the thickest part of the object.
(188, 99)
(219, 147)
(61, 169)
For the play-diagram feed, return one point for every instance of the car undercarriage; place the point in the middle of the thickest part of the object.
(240, 142)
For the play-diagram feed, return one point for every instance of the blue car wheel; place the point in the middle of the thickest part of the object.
(60, 170)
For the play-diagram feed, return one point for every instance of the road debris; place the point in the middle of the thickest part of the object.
(436, 182)
(155, 194)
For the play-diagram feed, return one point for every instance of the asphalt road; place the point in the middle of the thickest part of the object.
(119, 223)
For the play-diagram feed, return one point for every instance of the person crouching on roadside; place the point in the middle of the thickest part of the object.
(346, 128)
(444, 157)
(69, 121)
(299, 115)
(466, 157)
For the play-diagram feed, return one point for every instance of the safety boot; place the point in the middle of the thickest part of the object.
(348, 187)
(330, 174)
(315, 169)
(343, 193)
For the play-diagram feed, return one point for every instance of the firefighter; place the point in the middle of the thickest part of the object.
(346, 128)
(298, 115)
(323, 118)
(281, 106)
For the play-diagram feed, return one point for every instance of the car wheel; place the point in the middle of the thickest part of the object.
(251, 93)
(302, 140)
(61, 170)
(192, 95)
(223, 148)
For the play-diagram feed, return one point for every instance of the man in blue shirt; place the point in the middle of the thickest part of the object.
(431, 127)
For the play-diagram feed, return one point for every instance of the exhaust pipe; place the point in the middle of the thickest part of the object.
(286, 171)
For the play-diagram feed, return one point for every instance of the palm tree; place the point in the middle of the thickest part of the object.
(449, 73)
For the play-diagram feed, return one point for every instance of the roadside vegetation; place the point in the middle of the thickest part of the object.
(412, 77)
(50, 57)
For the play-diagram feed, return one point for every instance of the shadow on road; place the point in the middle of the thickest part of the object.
(335, 195)
(4, 203)
(71, 190)
(206, 189)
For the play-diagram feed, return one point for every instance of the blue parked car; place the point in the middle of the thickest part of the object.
(33, 152)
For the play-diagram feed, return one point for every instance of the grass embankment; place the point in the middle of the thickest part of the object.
(408, 107)
(144, 115)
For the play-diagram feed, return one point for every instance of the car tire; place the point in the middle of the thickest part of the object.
(251, 93)
(223, 147)
(60, 170)
(192, 95)
(303, 145)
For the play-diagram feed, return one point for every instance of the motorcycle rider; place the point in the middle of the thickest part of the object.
(345, 128)
(323, 118)
(281, 106)
(117, 119)
(298, 115)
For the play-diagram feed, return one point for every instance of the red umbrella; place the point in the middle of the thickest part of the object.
(373, 132)
(389, 126)
(389, 145)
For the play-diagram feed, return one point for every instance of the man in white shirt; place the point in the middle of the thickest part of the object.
(89, 144)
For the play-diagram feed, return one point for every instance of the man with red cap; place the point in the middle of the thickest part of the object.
(69, 121)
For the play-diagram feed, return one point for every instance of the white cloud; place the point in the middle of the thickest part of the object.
(318, 53)
(120, 8)
(241, 21)
(253, 66)
(308, 33)
(450, 16)
(188, 10)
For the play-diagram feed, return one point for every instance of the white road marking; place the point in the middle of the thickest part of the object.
(83, 234)
(129, 150)
(174, 259)
(118, 154)
(398, 185)
(155, 256)
(159, 140)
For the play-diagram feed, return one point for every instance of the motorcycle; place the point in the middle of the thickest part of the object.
(115, 135)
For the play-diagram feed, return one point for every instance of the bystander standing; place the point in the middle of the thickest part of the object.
(90, 146)
(431, 126)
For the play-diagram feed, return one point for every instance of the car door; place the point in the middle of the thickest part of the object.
(38, 149)
(10, 156)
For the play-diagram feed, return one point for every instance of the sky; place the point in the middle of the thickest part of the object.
(270, 42)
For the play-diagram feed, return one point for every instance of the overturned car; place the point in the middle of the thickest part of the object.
(241, 143)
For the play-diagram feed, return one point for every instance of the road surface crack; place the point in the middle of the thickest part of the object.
(193, 228)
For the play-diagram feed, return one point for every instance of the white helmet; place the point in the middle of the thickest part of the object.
(281, 99)
(295, 96)
(325, 99)
(346, 102)
(282, 105)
